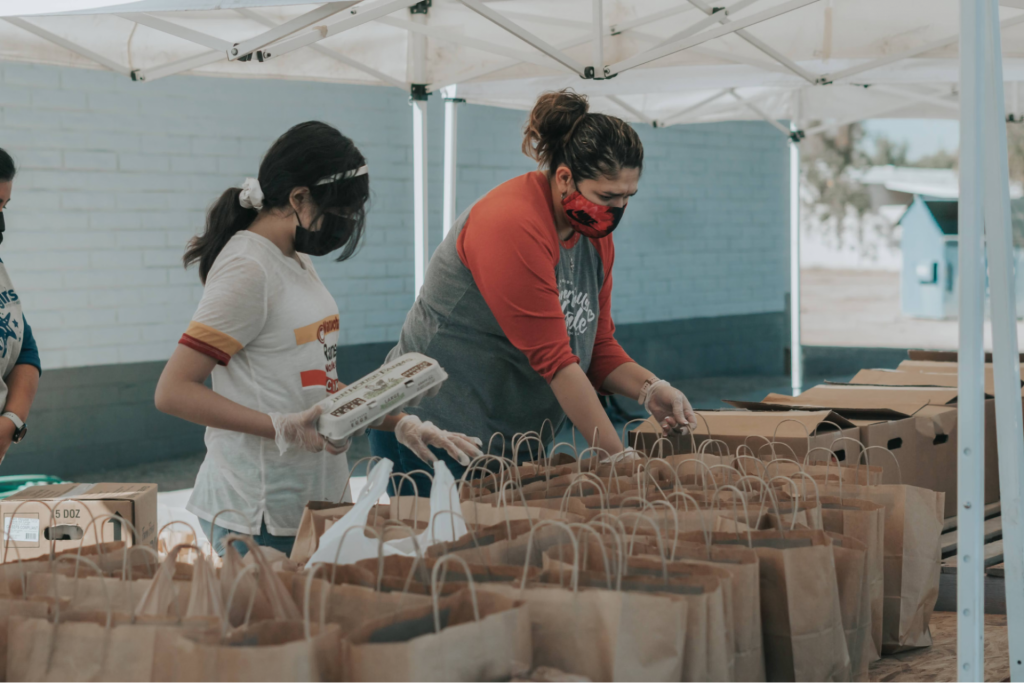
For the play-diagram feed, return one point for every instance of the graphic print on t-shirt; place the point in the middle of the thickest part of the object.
(324, 332)
(8, 331)
(577, 308)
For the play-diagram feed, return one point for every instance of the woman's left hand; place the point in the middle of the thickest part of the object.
(671, 409)
(417, 436)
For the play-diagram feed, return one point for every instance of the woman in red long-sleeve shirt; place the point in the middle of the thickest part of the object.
(516, 305)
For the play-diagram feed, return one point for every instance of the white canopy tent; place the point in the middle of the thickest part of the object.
(659, 62)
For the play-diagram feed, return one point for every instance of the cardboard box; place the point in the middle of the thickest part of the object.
(31, 525)
(735, 427)
(944, 356)
(918, 424)
(932, 368)
(899, 378)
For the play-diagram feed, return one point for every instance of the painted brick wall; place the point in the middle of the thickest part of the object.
(115, 177)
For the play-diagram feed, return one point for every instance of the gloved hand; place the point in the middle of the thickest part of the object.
(628, 455)
(299, 429)
(417, 435)
(670, 408)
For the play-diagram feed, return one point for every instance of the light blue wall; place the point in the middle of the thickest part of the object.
(115, 178)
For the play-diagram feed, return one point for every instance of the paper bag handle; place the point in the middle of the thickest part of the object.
(760, 463)
(867, 477)
(213, 526)
(435, 590)
(579, 479)
(657, 536)
(604, 554)
(529, 552)
(775, 434)
(700, 513)
(746, 512)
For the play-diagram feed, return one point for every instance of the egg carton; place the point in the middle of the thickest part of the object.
(397, 385)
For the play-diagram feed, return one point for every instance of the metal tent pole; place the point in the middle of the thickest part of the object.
(1006, 358)
(796, 353)
(451, 140)
(421, 223)
(971, 400)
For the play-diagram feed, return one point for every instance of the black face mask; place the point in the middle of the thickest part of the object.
(332, 235)
(1, 227)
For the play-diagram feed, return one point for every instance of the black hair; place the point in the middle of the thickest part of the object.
(7, 169)
(562, 131)
(306, 154)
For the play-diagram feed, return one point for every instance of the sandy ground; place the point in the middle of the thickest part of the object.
(862, 308)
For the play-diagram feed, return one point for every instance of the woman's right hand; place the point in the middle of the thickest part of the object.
(299, 430)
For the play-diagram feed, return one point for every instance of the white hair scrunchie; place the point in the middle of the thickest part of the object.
(252, 194)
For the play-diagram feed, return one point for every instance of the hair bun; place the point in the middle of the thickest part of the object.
(553, 120)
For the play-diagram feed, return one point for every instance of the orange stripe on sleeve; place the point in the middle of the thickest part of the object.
(216, 339)
(317, 331)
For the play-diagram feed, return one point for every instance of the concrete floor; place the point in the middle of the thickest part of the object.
(862, 308)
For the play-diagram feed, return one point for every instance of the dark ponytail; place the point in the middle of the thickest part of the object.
(305, 155)
(562, 131)
(223, 220)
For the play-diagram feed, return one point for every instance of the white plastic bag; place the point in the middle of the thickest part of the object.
(355, 545)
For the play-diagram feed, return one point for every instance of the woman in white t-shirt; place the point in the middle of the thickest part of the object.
(267, 330)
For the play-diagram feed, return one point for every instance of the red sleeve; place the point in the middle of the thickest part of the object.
(607, 354)
(511, 251)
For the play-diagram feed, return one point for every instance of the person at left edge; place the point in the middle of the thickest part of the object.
(266, 329)
(19, 356)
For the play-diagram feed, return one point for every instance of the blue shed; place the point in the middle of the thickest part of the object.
(930, 240)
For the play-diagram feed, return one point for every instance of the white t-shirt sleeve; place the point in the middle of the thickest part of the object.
(233, 309)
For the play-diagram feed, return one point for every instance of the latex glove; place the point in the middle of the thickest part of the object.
(299, 430)
(670, 408)
(417, 435)
(628, 455)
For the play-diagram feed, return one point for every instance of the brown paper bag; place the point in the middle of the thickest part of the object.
(254, 590)
(413, 570)
(504, 544)
(163, 596)
(706, 591)
(864, 521)
(98, 593)
(110, 559)
(604, 635)
(264, 651)
(801, 621)
(18, 607)
(913, 559)
(467, 636)
(854, 603)
(742, 566)
(85, 647)
(347, 605)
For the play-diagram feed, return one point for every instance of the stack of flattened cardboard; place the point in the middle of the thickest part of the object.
(798, 431)
(918, 424)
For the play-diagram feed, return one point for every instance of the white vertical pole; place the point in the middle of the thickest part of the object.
(796, 354)
(1005, 355)
(970, 587)
(451, 140)
(421, 223)
(598, 42)
(419, 190)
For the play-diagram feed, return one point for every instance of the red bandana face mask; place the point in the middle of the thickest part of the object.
(590, 219)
